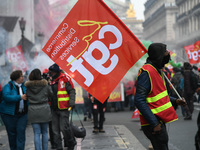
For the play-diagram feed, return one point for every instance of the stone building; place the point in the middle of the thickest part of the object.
(36, 15)
(160, 17)
(187, 25)
(133, 23)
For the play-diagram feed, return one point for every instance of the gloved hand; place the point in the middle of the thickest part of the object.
(181, 102)
(71, 103)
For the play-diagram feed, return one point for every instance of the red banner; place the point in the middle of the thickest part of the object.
(94, 47)
(193, 52)
(16, 56)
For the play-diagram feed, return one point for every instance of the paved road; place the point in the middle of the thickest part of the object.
(181, 132)
(116, 137)
(123, 133)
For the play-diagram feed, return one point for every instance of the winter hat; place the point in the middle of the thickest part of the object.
(54, 68)
(45, 70)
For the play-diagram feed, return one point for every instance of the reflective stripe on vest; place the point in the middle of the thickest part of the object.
(161, 108)
(63, 97)
(158, 99)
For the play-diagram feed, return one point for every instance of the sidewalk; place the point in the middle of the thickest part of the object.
(116, 137)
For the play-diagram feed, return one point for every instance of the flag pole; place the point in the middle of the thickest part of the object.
(185, 106)
(172, 86)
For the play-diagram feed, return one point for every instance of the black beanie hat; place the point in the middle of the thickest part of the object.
(54, 68)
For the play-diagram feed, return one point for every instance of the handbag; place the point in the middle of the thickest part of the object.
(78, 132)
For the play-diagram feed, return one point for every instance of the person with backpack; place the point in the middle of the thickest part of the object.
(178, 83)
(13, 109)
(189, 88)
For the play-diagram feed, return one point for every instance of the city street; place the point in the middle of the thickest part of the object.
(181, 132)
(123, 133)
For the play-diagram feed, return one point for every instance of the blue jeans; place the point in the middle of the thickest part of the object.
(16, 129)
(38, 129)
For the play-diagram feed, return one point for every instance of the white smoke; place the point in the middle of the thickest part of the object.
(42, 61)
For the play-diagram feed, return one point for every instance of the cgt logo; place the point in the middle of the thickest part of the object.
(76, 62)
(194, 55)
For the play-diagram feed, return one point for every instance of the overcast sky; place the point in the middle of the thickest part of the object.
(139, 8)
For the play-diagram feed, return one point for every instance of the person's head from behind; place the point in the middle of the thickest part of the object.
(158, 54)
(54, 71)
(187, 66)
(35, 75)
(17, 76)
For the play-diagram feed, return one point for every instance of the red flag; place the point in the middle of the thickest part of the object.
(193, 52)
(16, 56)
(135, 114)
(94, 47)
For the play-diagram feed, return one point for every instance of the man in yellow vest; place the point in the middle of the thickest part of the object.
(151, 97)
(64, 97)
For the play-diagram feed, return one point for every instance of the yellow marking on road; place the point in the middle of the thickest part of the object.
(121, 143)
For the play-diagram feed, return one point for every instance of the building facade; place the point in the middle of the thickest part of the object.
(160, 17)
(187, 25)
(36, 15)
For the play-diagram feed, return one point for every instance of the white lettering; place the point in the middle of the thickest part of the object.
(115, 31)
(77, 65)
(98, 64)
(61, 32)
(194, 55)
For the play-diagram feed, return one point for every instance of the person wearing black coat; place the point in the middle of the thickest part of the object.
(188, 92)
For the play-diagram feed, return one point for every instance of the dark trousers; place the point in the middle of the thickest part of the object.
(158, 141)
(87, 108)
(189, 99)
(98, 111)
(16, 130)
(51, 134)
(60, 123)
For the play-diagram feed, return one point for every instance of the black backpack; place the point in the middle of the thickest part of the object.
(194, 81)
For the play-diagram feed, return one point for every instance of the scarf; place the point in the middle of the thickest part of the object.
(21, 103)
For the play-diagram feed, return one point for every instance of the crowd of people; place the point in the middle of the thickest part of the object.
(44, 99)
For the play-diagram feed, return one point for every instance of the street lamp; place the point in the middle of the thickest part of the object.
(22, 24)
(41, 38)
